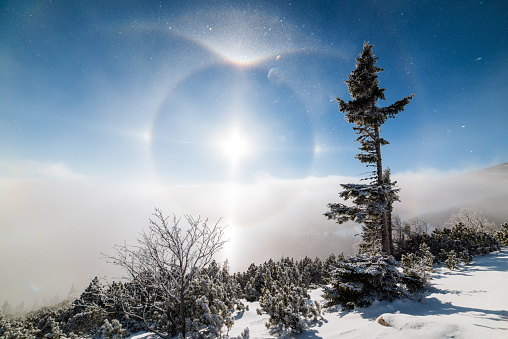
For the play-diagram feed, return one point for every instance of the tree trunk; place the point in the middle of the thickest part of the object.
(385, 238)
(171, 328)
(385, 235)
(390, 229)
(182, 312)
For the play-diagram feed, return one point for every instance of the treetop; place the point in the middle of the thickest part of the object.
(363, 86)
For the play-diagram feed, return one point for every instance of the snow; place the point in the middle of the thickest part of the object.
(253, 321)
(470, 302)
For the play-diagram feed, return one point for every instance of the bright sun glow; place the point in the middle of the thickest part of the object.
(235, 146)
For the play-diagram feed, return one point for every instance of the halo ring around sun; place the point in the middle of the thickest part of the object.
(291, 148)
(206, 103)
(209, 101)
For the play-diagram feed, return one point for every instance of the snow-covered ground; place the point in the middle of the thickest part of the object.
(471, 302)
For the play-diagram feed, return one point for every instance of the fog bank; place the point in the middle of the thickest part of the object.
(54, 229)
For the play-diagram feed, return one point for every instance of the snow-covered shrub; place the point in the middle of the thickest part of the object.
(251, 283)
(85, 321)
(362, 279)
(46, 322)
(288, 306)
(329, 266)
(257, 278)
(451, 259)
(419, 263)
(312, 271)
(245, 334)
(251, 294)
(443, 255)
(83, 317)
(49, 322)
(87, 313)
(465, 257)
(416, 267)
(210, 304)
(10, 328)
(112, 330)
(207, 323)
(459, 238)
(451, 262)
(284, 296)
(502, 234)
(52, 329)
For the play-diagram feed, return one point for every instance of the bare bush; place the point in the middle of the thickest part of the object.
(162, 266)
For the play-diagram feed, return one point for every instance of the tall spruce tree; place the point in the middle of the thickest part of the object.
(372, 201)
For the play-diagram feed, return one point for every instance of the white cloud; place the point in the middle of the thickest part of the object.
(430, 190)
(29, 169)
(59, 171)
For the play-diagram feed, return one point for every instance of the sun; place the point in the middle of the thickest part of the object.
(235, 146)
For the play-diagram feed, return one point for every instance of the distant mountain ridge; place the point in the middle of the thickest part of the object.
(498, 170)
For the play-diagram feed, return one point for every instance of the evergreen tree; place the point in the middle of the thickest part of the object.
(372, 201)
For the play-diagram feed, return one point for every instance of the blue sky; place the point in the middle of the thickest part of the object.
(226, 109)
(120, 89)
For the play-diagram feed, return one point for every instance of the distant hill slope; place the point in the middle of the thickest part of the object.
(500, 170)
(489, 186)
(494, 209)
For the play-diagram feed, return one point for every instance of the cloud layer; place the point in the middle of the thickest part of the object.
(55, 223)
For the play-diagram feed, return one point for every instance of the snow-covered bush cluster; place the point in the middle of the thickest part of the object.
(98, 311)
(464, 241)
(284, 296)
(359, 280)
(211, 301)
(48, 322)
(281, 288)
(303, 273)
(416, 267)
